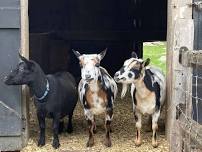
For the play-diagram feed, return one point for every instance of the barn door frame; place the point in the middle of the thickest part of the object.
(14, 106)
(180, 33)
(24, 50)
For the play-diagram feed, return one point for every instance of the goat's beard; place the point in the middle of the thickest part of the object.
(124, 90)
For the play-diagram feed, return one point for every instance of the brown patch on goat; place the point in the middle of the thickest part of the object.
(89, 98)
(101, 94)
(81, 62)
(134, 64)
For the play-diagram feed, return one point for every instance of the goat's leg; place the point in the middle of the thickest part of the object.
(90, 142)
(41, 120)
(90, 118)
(94, 127)
(108, 119)
(138, 118)
(61, 126)
(155, 118)
(69, 125)
(56, 121)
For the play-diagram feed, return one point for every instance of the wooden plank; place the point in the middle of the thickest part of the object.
(9, 14)
(25, 52)
(190, 57)
(182, 75)
(139, 35)
(10, 144)
(11, 109)
(189, 126)
(179, 33)
(10, 99)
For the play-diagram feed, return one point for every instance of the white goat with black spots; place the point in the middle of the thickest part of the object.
(147, 91)
(97, 92)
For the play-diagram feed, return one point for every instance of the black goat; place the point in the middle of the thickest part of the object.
(56, 95)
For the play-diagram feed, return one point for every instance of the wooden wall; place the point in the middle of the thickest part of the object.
(90, 26)
(180, 33)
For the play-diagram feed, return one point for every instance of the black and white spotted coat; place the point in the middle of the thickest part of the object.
(108, 85)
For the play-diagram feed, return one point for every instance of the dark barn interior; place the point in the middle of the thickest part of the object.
(90, 26)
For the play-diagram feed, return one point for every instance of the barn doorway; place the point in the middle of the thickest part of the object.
(90, 26)
(57, 27)
(156, 51)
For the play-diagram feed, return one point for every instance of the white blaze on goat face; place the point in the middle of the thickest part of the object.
(89, 68)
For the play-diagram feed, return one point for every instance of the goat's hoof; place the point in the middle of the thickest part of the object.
(94, 131)
(69, 130)
(90, 143)
(155, 144)
(108, 143)
(56, 144)
(41, 142)
(138, 143)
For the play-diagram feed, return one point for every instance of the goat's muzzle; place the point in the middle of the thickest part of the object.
(6, 80)
(117, 79)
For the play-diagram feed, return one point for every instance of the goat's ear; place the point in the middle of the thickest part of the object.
(23, 59)
(134, 55)
(146, 62)
(102, 54)
(26, 61)
(76, 53)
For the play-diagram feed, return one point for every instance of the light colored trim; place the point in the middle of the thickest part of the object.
(179, 33)
(24, 50)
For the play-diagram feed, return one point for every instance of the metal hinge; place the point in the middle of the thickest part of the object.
(196, 5)
(190, 57)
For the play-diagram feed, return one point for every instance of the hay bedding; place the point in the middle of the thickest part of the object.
(123, 135)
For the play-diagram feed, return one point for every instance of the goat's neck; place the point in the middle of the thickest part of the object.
(38, 86)
(141, 89)
(93, 85)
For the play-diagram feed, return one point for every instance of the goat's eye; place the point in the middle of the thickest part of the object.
(97, 64)
(130, 74)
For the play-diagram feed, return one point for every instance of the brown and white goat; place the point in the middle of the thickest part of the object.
(97, 92)
(147, 91)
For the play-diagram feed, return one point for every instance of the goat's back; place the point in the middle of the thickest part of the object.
(62, 96)
(161, 80)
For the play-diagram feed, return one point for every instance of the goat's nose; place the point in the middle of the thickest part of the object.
(87, 76)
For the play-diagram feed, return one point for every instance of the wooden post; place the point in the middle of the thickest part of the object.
(180, 33)
(24, 50)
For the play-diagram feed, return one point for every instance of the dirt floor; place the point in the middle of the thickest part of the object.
(123, 135)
